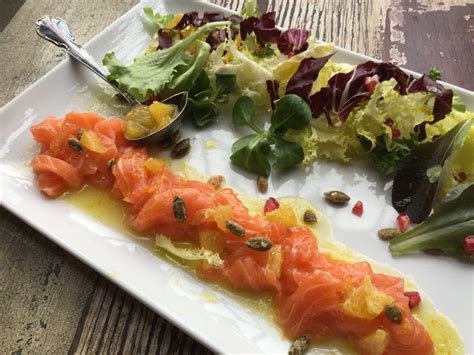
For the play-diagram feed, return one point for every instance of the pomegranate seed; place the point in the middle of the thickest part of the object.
(403, 222)
(358, 208)
(371, 82)
(414, 298)
(468, 245)
(389, 122)
(395, 133)
(460, 177)
(270, 205)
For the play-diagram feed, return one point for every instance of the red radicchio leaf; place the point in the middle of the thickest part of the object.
(247, 26)
(212, 17)
(265, 29)
(192, 18)
(165, 38)
(293, 41)
(235, 19)
(443, 102)
(346, 91)
(216, 37)
(272, 89)
(189, 18)
(302, 81)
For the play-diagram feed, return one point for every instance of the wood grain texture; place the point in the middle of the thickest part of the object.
(115, 323)
(416, 34)
(43, 290)
(52, 303)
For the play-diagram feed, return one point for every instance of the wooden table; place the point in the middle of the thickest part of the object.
(52, 303)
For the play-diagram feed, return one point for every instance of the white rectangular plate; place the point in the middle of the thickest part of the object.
(226, 325)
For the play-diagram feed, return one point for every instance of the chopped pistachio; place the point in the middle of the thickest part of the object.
(388, 233)
(179, 209)
(259, 243)
(235, 228)
(393, 313)
(337, 197)
(309, 217)
(74, 144)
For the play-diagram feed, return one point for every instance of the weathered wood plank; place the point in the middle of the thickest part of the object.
(114, 322)
(26, 57)
(422, 34)
(43, 290)
(416, 34)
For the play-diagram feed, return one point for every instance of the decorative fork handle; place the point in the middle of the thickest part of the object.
(56, 31)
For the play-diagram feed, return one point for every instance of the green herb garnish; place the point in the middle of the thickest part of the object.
(254, 152)
(386, 159)
(435, 73)
(205, 97)
(264, 52)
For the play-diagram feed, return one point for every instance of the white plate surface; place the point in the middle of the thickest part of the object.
(224, 326)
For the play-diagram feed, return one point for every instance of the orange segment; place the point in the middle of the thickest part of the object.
(91, 141)
(284, 214)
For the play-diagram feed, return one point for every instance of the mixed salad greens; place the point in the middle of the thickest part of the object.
(414, 129)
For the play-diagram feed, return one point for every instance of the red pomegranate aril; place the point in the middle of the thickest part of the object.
(460, 177)
(389, 122)
(371, 82)
(395, 133)
(270, 205)
(358, 209)
(468, 245)
(414, 298)
(403, 222)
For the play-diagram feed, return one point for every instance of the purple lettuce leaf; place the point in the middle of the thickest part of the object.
(442, 105)
(346, 91)
(272, 89)
(293, 41)
(302, 81)
(189, 18)
(165, 38)
(265, 29)
(216, 37)
(212, 17)
(235, 19)
(247, 26)
(192, 18)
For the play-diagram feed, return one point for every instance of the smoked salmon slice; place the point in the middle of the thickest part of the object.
(45, 164)
(315, 295)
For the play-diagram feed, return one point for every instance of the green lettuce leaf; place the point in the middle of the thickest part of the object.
(150, 74)
(160, 21)
(187, 74)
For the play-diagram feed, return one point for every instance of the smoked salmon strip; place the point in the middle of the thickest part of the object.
(315, 295)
